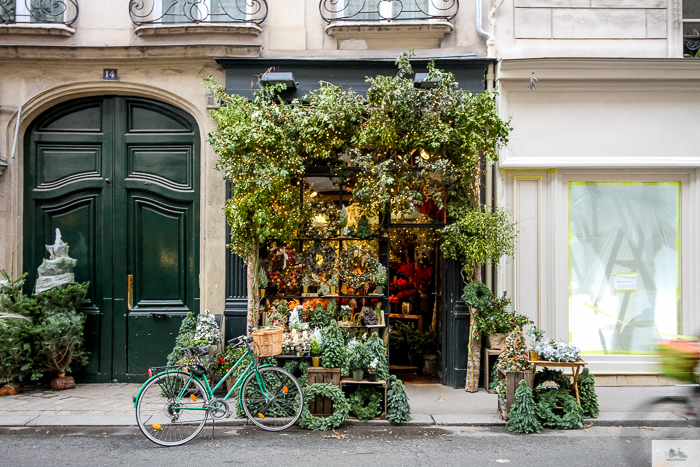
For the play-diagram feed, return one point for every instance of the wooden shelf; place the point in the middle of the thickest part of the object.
(402, 367)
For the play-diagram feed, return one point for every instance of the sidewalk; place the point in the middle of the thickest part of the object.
(431, 404)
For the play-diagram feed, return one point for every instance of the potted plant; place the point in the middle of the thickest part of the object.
(425, 344)
(262, 281)
(316, 342)
(372, 370)
(495, 322)
(345, 313)
(223, 361)
(536, 335)
(333, 284)
(357, 359)
(380, 278)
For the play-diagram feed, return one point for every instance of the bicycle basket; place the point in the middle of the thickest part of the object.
(268, 342)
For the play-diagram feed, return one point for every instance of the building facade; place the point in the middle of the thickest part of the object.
(601, 172)
(104, 119)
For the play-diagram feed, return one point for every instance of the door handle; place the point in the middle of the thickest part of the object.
(130, 292)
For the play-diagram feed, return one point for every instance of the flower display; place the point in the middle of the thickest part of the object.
(557, 351)
(358, 266)
(409, 280)
(206, 328)
(283, 267)
(319, 258)
(296, 341)
(514, 356)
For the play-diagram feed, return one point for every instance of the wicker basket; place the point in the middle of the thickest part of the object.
(268, 342)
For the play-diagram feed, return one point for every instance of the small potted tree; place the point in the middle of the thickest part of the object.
(357, 359)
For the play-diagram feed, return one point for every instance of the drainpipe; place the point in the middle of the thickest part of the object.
(490, 77)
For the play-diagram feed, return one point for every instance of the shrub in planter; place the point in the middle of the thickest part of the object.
(184, 336)
(376, 349)
(333, 353)
(17, 312)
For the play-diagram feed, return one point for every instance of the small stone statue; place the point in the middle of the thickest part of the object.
(58, 269)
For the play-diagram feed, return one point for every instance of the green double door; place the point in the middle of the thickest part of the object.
(119, 176)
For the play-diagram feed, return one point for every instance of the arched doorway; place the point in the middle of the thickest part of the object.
(120, 177)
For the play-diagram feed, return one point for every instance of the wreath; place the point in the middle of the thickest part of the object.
(327, 255)
(570, 419)
(324, 219)
(365, 403)
(358, 266)
(340, 407)
(283, 267)
(556, 376)
(477, 295)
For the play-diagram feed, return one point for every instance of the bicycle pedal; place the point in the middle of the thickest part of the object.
(228, 415)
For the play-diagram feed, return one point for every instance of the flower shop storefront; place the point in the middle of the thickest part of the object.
(356, 235)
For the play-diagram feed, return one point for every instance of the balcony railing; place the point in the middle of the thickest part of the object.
(387, 10)
(38, 11)
(197, 11)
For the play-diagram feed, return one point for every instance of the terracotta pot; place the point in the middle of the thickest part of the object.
(496, 341)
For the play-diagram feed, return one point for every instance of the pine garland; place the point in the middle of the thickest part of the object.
(522, 417)
(375, 349)
(365, 403)
(570, 419)
(397, 408)
(587, 394)
(340, 407)
(333, 354)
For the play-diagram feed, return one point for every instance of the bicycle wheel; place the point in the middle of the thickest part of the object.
(171, 409)
(275, 404)
(673, 417)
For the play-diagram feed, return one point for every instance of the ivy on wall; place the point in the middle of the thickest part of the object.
(413, 145)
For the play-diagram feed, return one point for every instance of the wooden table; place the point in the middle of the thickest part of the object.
(575, 370)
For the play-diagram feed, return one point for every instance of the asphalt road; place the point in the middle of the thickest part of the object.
(361, 445)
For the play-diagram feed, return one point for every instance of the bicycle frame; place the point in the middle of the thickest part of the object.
(251, 368)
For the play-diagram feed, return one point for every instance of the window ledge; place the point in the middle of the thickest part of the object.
(377, 34)
(202, 28)
(44, 29)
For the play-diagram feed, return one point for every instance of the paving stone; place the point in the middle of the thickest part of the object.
(468, 419)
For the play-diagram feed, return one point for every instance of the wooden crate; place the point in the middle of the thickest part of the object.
(381, 385)
(488, 353)
(512, 379)
(322, 406)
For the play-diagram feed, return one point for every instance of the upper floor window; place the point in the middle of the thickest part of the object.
(171, 12)
(387, 10)
(38, 11)
(691, 28)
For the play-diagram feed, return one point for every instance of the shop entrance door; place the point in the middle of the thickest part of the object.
(119, 176)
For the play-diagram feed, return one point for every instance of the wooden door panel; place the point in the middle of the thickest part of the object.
(169, 166)
(151, 338)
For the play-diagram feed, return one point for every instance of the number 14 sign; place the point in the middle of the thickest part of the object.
(109, 73)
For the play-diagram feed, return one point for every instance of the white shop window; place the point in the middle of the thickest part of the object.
(624, 265)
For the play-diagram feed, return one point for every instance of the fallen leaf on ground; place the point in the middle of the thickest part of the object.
(502, 461)
(440, 399)
(586, 426)
(646, 428)
(336, 435)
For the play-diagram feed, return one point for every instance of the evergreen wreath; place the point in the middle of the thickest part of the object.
(283, 267)
(570, 419)
(358, 275)
(556, 376)
(340, 407)
(365, 403)
(327, 255)
(586, 390)
(477, 295)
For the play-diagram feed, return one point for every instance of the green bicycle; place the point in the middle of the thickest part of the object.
(173, 405)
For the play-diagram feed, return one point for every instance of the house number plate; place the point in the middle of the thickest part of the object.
(109, 73)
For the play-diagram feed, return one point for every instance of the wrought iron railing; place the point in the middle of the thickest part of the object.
(197, 11)
(38, 11)
(691, 45)
(387, 10)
